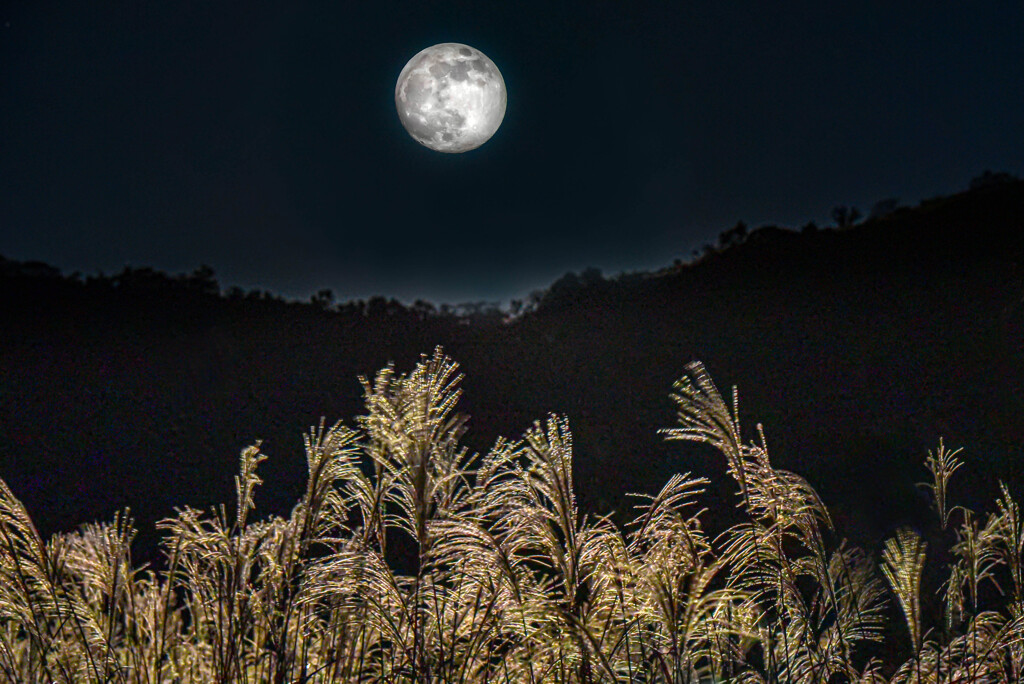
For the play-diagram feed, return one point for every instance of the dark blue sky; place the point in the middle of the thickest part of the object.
(261, 138)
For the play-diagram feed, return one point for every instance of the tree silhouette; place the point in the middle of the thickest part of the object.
(734, 236)
(323, 299)
(204, 280)
(883, 208)
(845, 216)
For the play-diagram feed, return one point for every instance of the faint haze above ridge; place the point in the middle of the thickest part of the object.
(894, 231)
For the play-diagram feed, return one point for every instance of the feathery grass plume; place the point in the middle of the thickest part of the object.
(209, 574)
(941, 464)
(1009, 529)
(859, 594)
(810, 610)
(283, 556)
(981, 654)
(247, 481)
(413, 435)
(480, 608)
(499, 536)
(613, 590)
(151, 621)
(704, 417)
(332, 462)
(978, 655)
(64, 639)
(689, 630)
(24, 584)
(768, 494)
(541, 525)
(903, 560)
(980, 552)
(977, 559)
(100, 582)
(872, 674)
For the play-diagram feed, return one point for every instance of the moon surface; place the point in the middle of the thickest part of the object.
(450, 97)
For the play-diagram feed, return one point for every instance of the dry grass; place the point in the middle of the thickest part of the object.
(510, 583)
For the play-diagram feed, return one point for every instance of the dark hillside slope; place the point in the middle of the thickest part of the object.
(857, 349)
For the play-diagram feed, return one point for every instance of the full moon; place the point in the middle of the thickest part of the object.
(450, 97)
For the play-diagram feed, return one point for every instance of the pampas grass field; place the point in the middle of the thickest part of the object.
(507, 581)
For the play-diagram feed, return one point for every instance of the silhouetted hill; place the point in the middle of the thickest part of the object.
(857, 348)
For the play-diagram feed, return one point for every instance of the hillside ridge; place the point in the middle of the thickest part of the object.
(857, 348)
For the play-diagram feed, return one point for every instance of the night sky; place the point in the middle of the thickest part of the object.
(262, 138)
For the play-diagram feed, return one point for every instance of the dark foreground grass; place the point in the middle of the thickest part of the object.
(509, 583)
